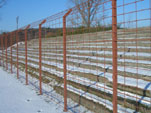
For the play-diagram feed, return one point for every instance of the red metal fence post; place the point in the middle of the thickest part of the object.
(26, 54)
(11, 50)
(40, 53)
(6, 36)
(64, 59)
(17, 53)
(2, 45)
(114, 51)
(1, 57)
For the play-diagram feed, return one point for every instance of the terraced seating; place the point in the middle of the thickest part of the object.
(89, 68)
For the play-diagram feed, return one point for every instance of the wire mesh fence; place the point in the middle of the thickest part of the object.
(94, 57)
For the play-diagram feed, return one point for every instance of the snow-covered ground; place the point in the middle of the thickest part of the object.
(16, 97)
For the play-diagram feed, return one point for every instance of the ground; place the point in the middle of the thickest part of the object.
(16, 97)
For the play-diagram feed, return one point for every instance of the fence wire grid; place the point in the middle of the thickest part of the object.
(88, 63)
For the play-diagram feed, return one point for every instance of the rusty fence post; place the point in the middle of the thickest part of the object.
(64, 59)
(6, 36)
(114, 52)
(2, 46)
(40, 57)
(11, 37)
(26, 54)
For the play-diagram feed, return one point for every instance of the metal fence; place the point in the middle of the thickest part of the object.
(99, 63)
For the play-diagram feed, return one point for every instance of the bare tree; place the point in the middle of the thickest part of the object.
(87, 9)
(2, 3)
